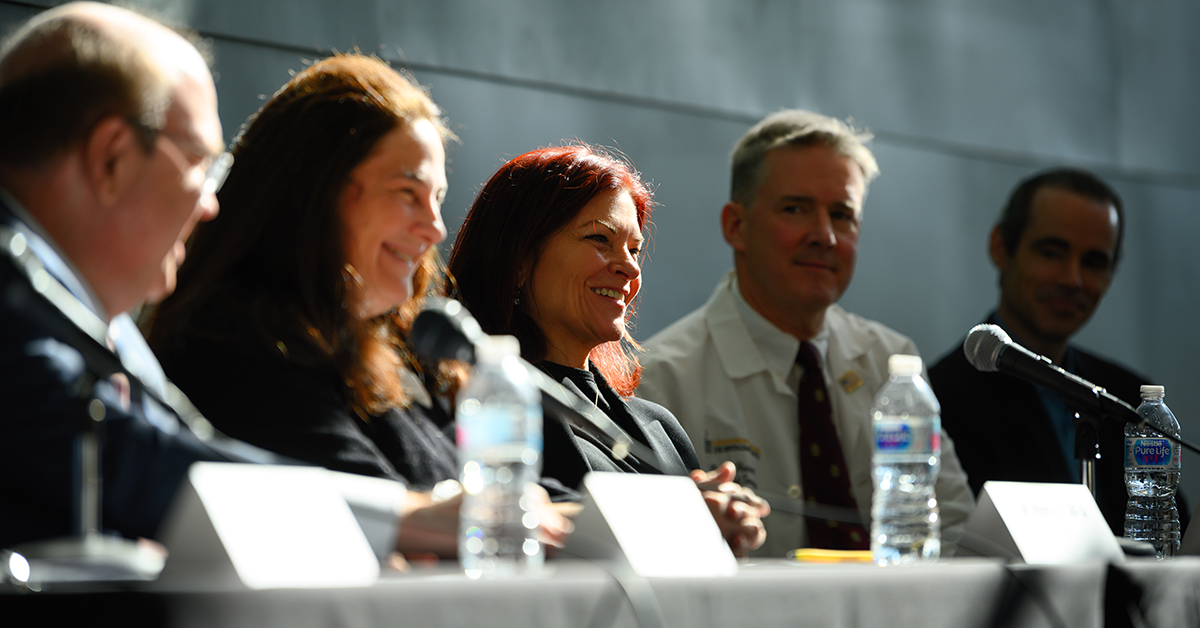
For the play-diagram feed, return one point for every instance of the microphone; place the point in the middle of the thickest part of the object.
(445, 330)
(988, 348)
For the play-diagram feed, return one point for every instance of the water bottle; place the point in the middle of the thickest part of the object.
(906, 417)
(1152, 476)
(499, 433)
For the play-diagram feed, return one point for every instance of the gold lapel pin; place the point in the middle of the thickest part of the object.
(850, 381)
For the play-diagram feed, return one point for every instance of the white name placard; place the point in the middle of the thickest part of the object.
(267, 526)
(1041, 523)
(659, 525)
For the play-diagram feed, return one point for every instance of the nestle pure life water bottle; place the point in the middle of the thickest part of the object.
(1152, 476)
(499, 431)
(905, 526)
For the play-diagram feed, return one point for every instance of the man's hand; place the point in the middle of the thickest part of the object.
(736, 509)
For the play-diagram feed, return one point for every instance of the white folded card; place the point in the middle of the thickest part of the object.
(377, 504)
(267, 526)
(1041, 523)
(658, 524)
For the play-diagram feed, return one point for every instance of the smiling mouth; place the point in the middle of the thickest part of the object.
(814, 263)
(1067, 307)
(608, 292)
(404, 257)
(1065, 301)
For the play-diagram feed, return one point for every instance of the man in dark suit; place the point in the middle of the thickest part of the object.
(1056, 246)
(108, 139)
(110, 153)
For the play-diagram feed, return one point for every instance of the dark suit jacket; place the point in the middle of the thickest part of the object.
(570, 454)
(1002, 431)
(49, 372)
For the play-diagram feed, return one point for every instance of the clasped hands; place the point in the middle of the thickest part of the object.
(737, 510)
(430, 524)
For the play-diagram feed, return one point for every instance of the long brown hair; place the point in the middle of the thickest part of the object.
(531, 198)
(273, 260)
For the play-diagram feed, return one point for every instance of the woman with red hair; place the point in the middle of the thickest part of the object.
(550, 252)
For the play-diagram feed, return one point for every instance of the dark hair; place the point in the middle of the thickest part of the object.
(274, 258)
(531, 198)
(1014, 218)
(61, 74)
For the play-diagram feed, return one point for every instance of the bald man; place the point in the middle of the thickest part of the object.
(110, 153)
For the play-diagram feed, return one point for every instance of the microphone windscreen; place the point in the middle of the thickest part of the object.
(444, 330)
(983, 345)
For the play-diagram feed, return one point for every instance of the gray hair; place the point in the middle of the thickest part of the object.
(794, 128)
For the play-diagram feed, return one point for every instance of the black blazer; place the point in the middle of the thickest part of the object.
(570, 454)
(257, 395)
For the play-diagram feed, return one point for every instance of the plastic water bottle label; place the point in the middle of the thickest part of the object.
(894, 435)
(1151, 453)
(499, 426)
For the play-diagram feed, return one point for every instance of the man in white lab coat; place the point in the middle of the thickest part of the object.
(729, 370)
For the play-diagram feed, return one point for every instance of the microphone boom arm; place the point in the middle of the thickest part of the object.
(988, 348)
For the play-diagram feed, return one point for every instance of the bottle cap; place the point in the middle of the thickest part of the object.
(1155, 391)
(900, 364)
(496, 348)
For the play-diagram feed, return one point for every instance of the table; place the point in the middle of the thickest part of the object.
(956, 593)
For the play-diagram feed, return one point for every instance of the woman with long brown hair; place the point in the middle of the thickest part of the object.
(287, 327)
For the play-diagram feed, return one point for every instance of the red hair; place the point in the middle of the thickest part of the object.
(531, 198)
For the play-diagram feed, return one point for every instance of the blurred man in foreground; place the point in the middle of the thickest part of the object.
(109, 152)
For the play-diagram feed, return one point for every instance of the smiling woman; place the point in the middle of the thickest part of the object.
(585, 279)
(550, 228)
(390, 212)
(287, 327)
(550, 253)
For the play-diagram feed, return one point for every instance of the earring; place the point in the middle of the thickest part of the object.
(517, 297)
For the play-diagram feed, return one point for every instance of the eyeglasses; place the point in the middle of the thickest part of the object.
(215, 170)
(214, 175)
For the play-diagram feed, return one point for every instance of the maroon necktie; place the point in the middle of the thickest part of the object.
(824, 476)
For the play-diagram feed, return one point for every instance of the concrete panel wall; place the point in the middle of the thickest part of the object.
(964, 96)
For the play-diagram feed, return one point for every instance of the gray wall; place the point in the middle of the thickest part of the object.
(964, 96)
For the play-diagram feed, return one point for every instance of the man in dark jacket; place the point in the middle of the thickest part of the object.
(1056, 246)
(108, 136)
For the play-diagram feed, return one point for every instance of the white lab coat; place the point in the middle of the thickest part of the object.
(708, 369)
